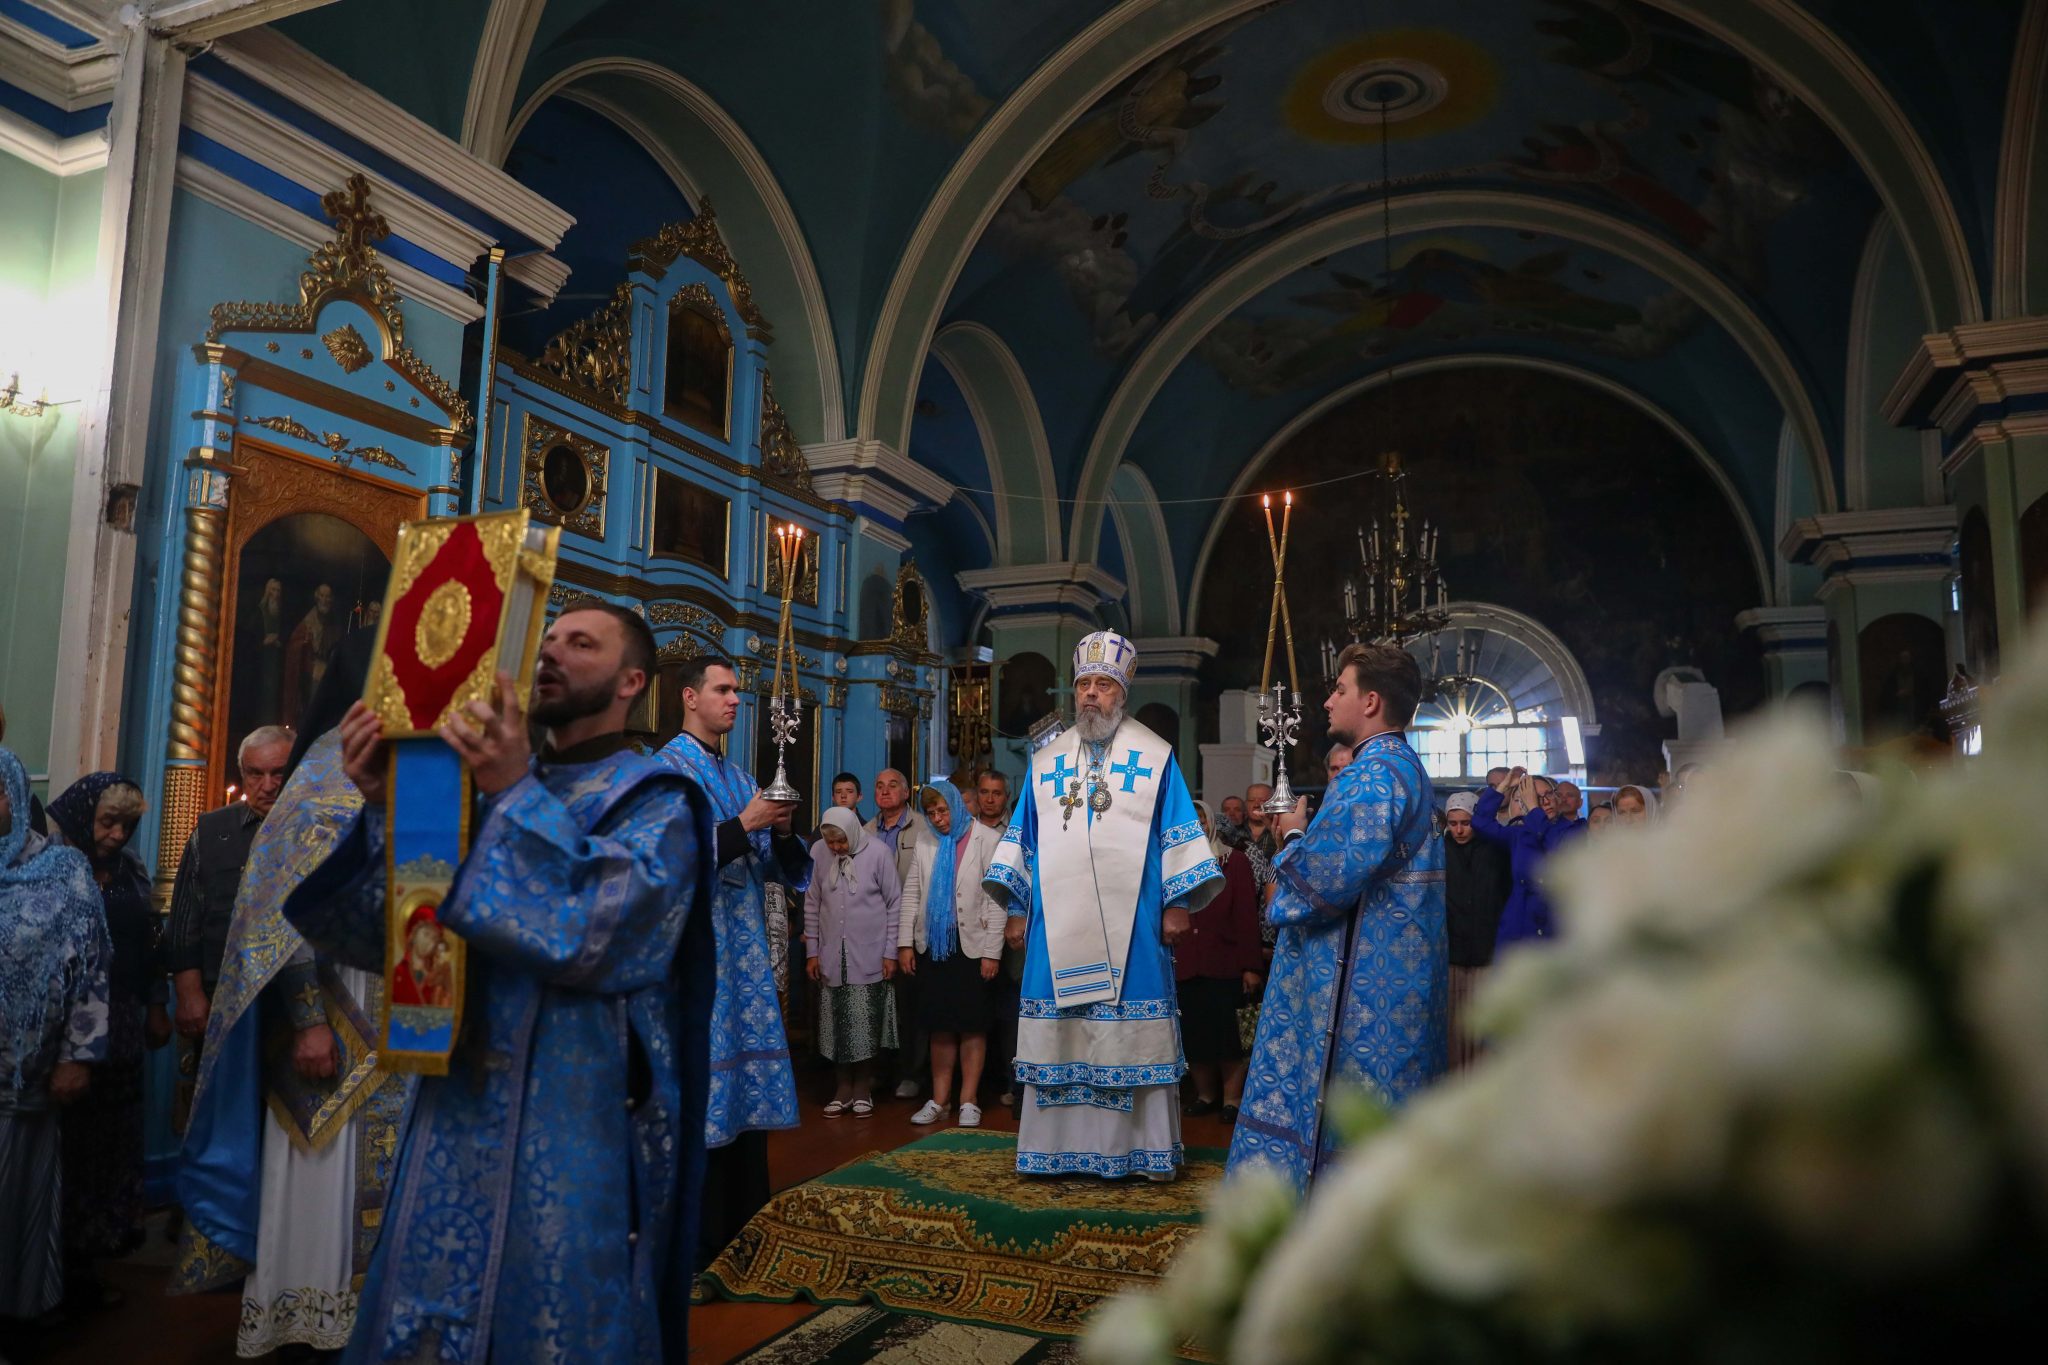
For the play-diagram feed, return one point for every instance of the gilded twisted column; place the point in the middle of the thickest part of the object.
(192, 678)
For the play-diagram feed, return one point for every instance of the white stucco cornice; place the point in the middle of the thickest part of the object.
(268, 56)
(1837, 540)
(1951, 374)
(1173, 653)
(876, 475)
(70, 78)
(1065, 583)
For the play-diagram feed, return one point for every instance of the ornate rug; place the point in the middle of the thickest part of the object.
(850, 1336)
(946, 1228)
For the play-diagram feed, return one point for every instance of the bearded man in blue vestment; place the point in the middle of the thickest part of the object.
(1099, 870)
(1360, 987)
(753, 1088)
(544, 1206)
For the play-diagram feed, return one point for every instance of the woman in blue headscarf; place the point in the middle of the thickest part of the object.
(950, 937)
(53, 1026)
(103, 1143)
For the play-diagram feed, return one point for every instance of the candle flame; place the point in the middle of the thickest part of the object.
(1266, 500)
(1290, 497)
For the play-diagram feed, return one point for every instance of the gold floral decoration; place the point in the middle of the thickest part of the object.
(597, 353)
(336, 443)
(669, 613)
(347, 347)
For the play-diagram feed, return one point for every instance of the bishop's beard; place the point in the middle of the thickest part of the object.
(1098, 727)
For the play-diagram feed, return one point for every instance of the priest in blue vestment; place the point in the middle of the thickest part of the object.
(753, 1088)
(1099, 870)
(1360, 986)
(544, 1205)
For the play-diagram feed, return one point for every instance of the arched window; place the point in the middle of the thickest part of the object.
(1504, 692)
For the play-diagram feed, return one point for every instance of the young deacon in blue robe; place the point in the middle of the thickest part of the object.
(1100, 867)
(1361, 958)
(753, 1088)
(544, 1206)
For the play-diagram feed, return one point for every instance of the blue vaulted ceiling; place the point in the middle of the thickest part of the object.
(1200, 157)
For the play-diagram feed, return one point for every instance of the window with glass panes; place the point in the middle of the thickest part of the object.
(1442, 751)
(1507, 746)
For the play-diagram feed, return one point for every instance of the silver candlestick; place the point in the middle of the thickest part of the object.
(782, 723)
(1279, 718)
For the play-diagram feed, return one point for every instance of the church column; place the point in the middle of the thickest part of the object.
(1043, 610)
(883, 488)
(1168, 668)
(99, 560)
(1876, 566)
(1795, 645)
(1984, 388)
(188, 748)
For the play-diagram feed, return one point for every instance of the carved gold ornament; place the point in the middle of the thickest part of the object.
(537, 439)
(596, 354)
(782, 459)
(348, 268)
(443, 624)
(340, 451)
(347, 347)
(701, 241)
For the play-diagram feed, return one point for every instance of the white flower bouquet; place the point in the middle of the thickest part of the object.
(1780, 1093)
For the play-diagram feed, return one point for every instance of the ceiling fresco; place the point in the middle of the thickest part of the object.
(1596, 120)
(1271, 119)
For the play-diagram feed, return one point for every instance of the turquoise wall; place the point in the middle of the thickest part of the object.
(49, 242)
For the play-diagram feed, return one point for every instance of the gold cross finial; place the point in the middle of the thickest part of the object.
(357, 226)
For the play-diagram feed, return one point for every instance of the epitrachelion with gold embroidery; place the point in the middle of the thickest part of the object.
(467, 601)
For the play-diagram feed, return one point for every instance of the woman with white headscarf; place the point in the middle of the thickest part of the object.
(1634, 805)
(850, 929)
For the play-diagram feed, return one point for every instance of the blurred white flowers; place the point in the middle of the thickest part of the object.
(1779, 1092)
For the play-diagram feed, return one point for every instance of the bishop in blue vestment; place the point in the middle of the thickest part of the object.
(1359, 992)
(1099, 870)
(544, 1203)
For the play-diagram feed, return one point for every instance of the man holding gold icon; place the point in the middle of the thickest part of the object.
(1099, 869)
(545, 1200)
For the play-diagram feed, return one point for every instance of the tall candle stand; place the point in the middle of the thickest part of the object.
(783, 716)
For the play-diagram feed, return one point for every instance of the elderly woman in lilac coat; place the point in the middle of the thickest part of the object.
(850, 931)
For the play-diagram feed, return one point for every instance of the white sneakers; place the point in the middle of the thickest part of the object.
(906, 1089)
(933, 1111)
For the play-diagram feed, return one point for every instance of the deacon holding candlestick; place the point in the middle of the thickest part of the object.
(1359, 902)
(753, 1087)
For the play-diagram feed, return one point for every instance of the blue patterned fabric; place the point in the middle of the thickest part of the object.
(1361, 951)
(753, 1087)
(224, 1137)
(546, 1197)
(54, 954)
(1104, 1046)
(942, 934)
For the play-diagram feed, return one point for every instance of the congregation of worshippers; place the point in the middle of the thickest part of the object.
(948, 964)
(790, 682)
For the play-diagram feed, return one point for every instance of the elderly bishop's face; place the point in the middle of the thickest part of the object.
(1099, 694)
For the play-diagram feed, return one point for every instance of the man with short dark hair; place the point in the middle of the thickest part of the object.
(1360, 898)
(846, 792)
(753, 1087)
(992, 799)
(544, 1180)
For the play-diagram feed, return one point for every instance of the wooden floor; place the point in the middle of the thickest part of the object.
(162, 1330)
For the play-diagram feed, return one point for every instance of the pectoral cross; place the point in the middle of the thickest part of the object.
(1130, 772)
(1066, 786)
